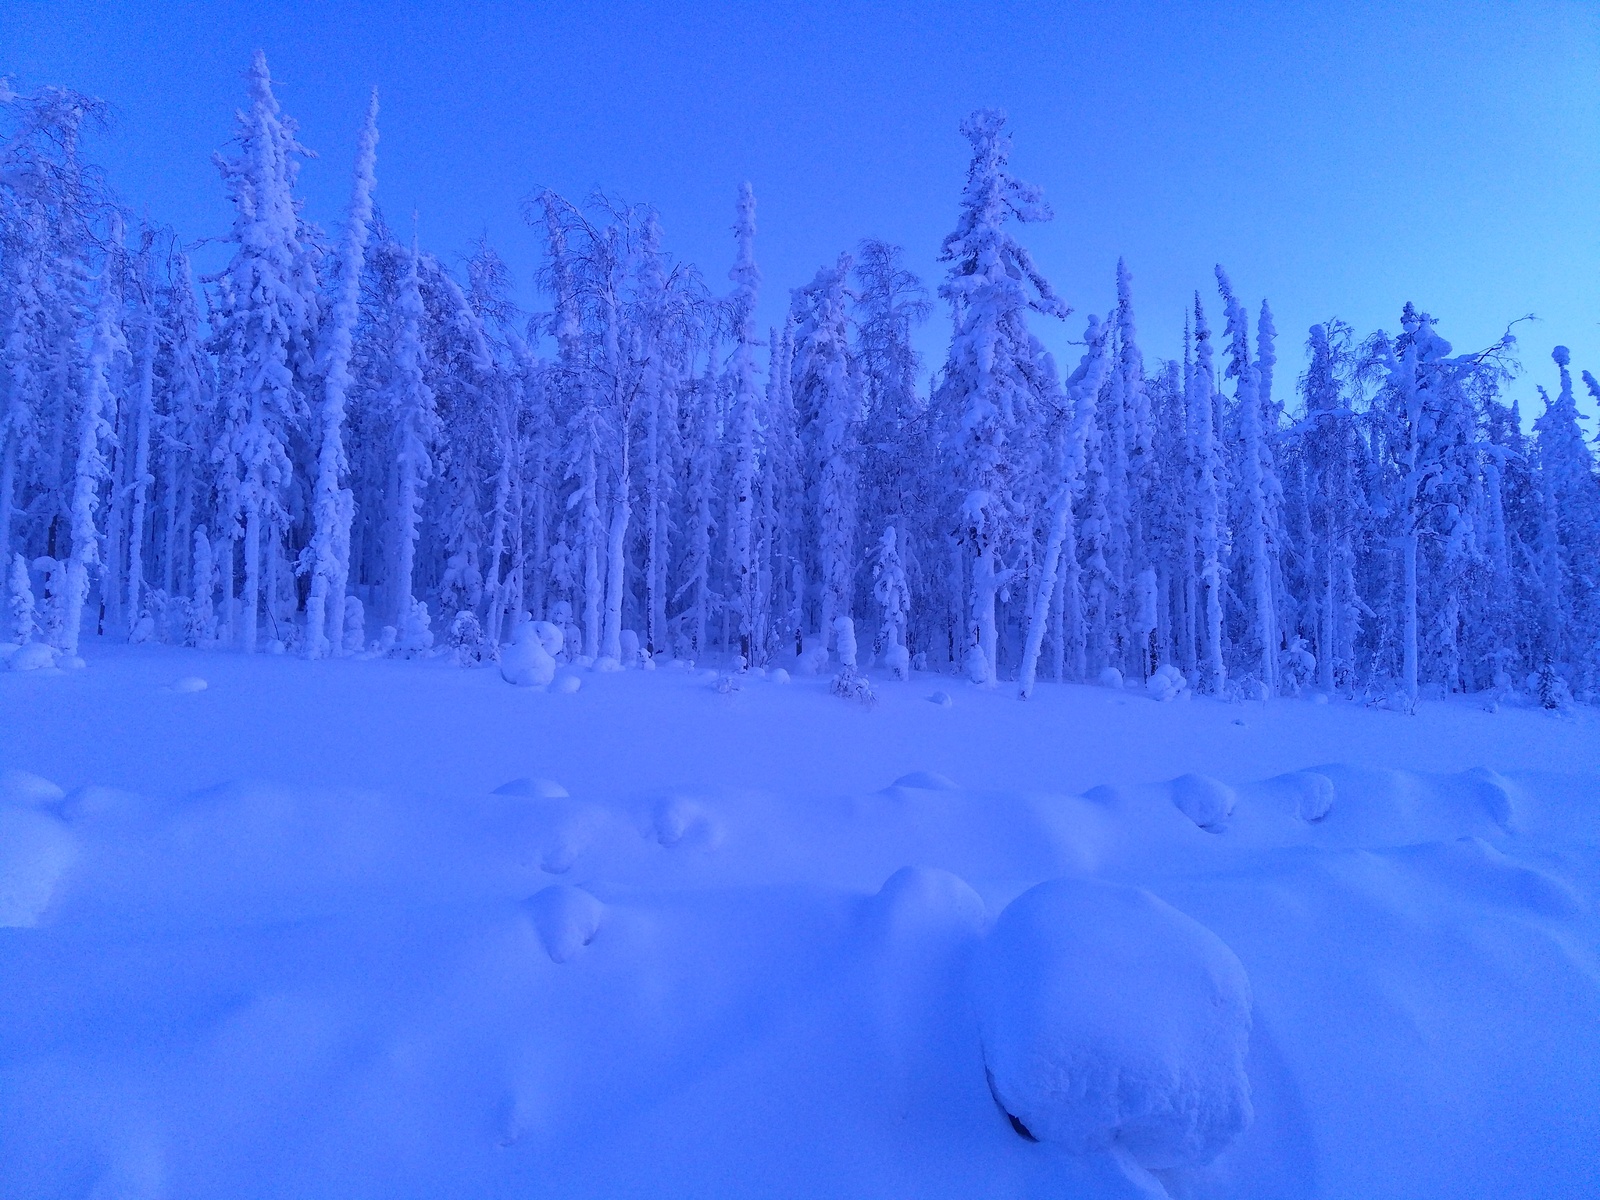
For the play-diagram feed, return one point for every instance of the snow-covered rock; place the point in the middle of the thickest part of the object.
(942, 699)
(1110, 677)
(1111, 1019)
(526, 662)
(778, 675)
(568, 684)
(1205, 801)
(566, 919)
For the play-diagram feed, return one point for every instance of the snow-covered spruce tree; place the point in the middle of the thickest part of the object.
(1071, 435)
(744, 402)
(992, 386)
(1205, 457)
(894, 599)
(416, 426)
(898, 475)
(1256, 536)
(1427, 418)
(1328, 453)
(51, 207)
(270, 322)
(827, 398)
(94, 429)
(1569, 534)
(140, 421)
(187, 387)
(324, 622)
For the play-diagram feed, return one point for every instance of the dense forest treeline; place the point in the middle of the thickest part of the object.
(339, 444)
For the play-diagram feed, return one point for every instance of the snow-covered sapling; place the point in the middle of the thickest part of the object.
(24, 622)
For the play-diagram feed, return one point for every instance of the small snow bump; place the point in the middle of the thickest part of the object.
(675, 820)
(778, 675)
(568, 684)
(536, 789)
(189, 684)
(24, 787)
(942, 699)
(927, 781)
(1205, 801)
(566, 918)
(1313, 794)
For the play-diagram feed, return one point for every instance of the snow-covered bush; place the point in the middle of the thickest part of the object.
(24, 618)
(844, 630)
(466, 641)
(1549, 686)
(1167, 683)
(355, 625)
(1110, 1018)
(414, 636)
(849, 684)
(525, 662)
(1297, 667)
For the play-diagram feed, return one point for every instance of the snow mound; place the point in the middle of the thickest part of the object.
(919, 904)
(526, 662)
(1312, 793)
(34, 656)
(1494, 790)
(942, 699)
(35, 791)
(675, 820)
(1111, 678)
(779, 675)
(928, 781)
(1110, 1018)
(534, 789)
(189, 684)
(607, 665)
(568, 684)
(1205, 801)
(566, 919)
(36, 847)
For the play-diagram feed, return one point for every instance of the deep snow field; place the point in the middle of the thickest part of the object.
(283, 937)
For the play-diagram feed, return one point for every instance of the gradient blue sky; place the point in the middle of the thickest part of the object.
(1337, 158)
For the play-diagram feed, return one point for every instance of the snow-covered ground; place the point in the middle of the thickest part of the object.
(283, 936)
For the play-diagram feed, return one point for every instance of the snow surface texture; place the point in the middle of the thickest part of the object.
(393, 928)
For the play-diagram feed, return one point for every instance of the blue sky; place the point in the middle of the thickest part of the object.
(1338, 159)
